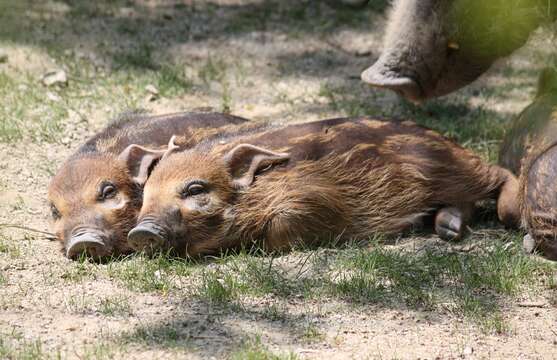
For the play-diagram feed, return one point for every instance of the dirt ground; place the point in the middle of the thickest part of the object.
(291, 61)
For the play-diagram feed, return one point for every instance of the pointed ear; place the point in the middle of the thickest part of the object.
(140, 159)
(244, 161)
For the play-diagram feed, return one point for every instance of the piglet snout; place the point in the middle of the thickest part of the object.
(89, 244)
(147, 237)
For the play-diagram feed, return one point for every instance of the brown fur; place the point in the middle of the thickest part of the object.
(529, 149)
(74, 190)
(435, 47)
(345, 177)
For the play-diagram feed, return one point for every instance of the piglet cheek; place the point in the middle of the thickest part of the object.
(117, 203)
(196, 203)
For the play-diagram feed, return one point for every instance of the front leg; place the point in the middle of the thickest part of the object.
(450, 222)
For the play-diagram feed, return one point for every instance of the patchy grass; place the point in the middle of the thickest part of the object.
(9, 246)
(159, 273)
(117, 305)
(99, 351)
(164, 335)
(253, 349)
(474, 285)
(243, 275)
(26, 111)
(311, 333)
(218, 287)
(79, 270)
(15, 346)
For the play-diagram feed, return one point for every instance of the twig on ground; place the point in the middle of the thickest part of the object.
(49, 235)
(532, 304)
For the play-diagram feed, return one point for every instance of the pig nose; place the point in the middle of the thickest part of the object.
(88, 244)
(387, 79)
(147, 237)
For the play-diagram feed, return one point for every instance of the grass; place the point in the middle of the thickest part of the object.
(24, 111)
(79, 270)
(15, 346)
(253, 349)
(111, 306)
(9, 246)
(311, 333)
(117, 305)
(243, 275)
(474, 285)
(79, 304)
(159, 273)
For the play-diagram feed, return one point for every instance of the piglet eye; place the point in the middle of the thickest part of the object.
(55, 213)
(194, 188)
(107, 191)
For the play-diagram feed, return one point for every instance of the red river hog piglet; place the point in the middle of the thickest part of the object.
(348, 178)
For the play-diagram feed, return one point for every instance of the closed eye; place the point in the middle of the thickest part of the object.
(107, 190)
(54, 212)
(193, 188)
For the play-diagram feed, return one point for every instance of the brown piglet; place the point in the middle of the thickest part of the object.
(97, 193)
(344, 178)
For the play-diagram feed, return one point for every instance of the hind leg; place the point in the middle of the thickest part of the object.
(507, 203)
(450, 222)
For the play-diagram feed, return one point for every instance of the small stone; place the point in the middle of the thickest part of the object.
(152, 89)
(57, 77)
(158, 275)
(468, 351)
(151, 98)
(53, 97)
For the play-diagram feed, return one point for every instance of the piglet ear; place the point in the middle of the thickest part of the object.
(140, 160)
(244, 161)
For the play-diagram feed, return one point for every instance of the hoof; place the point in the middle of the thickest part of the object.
(449, 224)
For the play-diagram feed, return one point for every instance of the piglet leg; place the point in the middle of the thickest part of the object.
(450, 222)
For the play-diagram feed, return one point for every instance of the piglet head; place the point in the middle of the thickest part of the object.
(188, 198)
(95, 199)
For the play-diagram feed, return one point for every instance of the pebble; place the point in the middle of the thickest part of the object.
(152, 89)
(468, 351)
(53, 97)
(55, 77)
